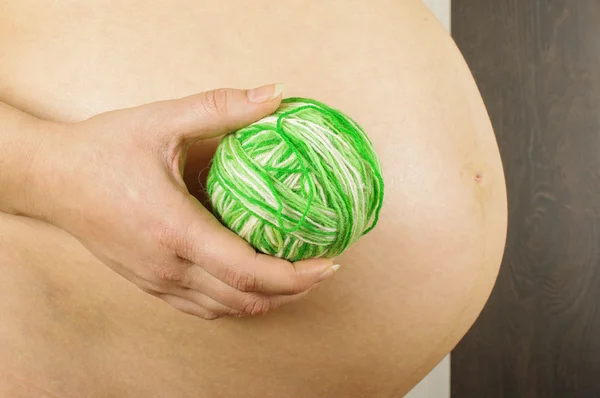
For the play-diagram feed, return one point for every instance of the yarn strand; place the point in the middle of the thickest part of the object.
(303, 182)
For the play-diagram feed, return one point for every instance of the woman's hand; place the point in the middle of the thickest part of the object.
(115, 182)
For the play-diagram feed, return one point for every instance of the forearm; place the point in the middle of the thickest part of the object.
(21, 144)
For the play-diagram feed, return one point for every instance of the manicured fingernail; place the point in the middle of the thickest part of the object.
(330, 271)
(265, 93)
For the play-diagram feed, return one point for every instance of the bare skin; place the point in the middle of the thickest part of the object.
(406, 293)
(115, 183)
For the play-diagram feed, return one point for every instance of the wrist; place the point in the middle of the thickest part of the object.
(42, 173)
(25, 150)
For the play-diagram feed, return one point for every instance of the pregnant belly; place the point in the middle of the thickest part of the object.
(407, 292)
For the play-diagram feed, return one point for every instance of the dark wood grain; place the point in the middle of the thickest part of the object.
(537, 64)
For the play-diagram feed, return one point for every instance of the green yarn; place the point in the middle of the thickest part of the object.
(303, 182)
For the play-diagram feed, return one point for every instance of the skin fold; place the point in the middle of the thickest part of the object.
(405, 293)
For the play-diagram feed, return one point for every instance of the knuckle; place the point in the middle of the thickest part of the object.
(242, 279)
(237, 314)
(171, 235)
(165, 235)
(168, 273)
(232, 312)
(258, 305)
(216, 101)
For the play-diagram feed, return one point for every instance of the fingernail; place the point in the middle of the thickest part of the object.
(330, 271)
(265, 93)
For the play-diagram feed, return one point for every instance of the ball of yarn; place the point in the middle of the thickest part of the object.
(303, 182)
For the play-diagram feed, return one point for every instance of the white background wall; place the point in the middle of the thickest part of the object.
(441, 9)
(437, 383)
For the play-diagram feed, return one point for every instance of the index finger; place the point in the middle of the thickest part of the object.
(232, 260)
(270, 275)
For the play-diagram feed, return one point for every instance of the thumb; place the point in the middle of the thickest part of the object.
(212, 113)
